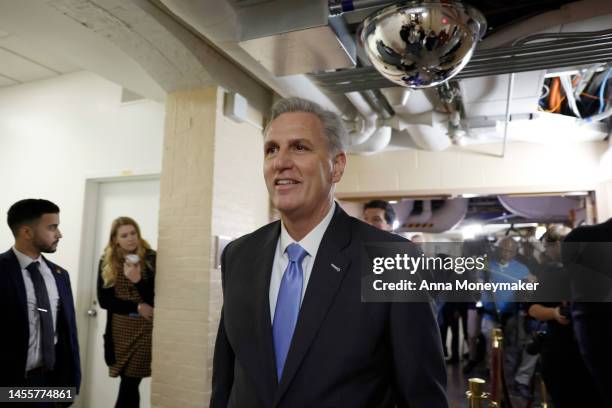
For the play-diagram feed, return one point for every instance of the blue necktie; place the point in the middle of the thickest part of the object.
(288, 305)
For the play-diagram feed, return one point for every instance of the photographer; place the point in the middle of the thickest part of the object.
(563, 370)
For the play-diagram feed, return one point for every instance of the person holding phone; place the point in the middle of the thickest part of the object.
(563, 369)
(126, 290)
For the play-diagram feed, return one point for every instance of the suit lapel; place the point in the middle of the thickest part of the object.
(255, 348)
(14, 269)
(328, 271)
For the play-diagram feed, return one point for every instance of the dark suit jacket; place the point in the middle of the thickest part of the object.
(344, 352)
(587, 254)
(16, 333)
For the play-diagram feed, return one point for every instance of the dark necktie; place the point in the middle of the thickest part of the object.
(46, 319)
(288, 305)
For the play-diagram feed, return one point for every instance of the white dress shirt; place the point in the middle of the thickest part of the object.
(310, 243)
(34, 343)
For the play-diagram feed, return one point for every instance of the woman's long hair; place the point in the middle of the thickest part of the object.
(112, 259)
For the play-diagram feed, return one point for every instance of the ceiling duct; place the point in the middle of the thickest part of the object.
(536, 208)
(295, 37)
(366, 136)
(582, 49)
(306, 36)
(431, 219)
(428, 130)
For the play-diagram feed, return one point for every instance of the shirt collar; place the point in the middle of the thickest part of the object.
(313, 239)
(25, 260)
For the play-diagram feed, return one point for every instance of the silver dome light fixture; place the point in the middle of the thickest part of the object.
(421, 44)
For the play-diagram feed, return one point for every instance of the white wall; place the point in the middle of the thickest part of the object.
(56, 133)
(477, 169)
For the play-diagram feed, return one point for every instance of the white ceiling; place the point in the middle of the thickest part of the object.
(23, 61)
(135, 44)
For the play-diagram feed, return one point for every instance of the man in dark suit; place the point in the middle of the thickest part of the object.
(294, 331)
(587, 253)
(39, 344)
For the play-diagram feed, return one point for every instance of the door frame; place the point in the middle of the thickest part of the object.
(87, 255)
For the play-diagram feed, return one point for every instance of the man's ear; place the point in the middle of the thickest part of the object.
(26, 231)
(338, 166)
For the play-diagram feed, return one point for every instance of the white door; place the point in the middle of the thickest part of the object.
(138, 199)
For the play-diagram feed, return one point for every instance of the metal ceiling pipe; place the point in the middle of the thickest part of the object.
(501, 55)
(337, 7)
(561, 36)
(364, 78)
(379, 103)
(575, 49)
(367, 127)
(450, 95)
(397, 96)
(368, 137)
(507, 121)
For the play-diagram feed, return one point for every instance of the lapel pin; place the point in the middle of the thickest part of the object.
(335, 267)
(58, 271)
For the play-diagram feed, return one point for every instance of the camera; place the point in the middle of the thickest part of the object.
(536, 344)
(565, 311)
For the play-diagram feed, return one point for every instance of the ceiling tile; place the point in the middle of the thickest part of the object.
(37, 53)
(22, 69)
(4, 82)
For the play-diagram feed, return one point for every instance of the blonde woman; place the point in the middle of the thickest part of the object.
(126, 290)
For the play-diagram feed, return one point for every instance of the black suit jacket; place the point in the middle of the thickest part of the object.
(344, 352)
(15, 338)
(587, 254)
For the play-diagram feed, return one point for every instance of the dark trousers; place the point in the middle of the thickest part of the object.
(594, 334)
(451, 313)
(128, 393)
(567, 380)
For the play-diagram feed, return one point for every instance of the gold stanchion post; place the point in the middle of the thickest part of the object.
(476, 396)
(543, 393)
(497, 359)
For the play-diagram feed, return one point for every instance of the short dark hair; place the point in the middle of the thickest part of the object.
(383, 205)
(28, 210)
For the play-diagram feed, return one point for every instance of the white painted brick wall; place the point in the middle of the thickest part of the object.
(211, 184)
(180, 334)
(474, 169)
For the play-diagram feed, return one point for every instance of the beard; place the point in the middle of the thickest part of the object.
(44, 247)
